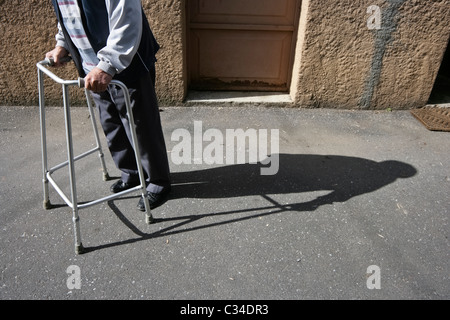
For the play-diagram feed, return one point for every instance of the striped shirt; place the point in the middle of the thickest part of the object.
(72, 20)
(123, 22)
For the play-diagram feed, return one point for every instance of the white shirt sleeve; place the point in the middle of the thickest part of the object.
(60, 40)
(125, 25)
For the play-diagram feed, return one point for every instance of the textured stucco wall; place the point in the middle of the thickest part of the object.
(166, 19)
(28, 30)
(341, 63)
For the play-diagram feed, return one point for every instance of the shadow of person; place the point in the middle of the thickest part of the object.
(343, 177)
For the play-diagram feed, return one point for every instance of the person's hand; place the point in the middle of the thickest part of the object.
(57, 55)
(97, 80)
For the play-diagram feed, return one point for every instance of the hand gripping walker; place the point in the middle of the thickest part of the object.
(47, 173)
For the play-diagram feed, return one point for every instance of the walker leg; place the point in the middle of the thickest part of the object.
(79, 249)
(73, 189)
(46, 202)
(47, 205)
(106, 176)
(148, 214)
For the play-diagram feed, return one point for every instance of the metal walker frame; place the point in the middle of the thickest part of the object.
(47, 173)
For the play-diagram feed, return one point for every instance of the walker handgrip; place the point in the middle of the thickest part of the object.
(81, 82)
(51, 62)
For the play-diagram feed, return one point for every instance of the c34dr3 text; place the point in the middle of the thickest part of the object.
(246, 309)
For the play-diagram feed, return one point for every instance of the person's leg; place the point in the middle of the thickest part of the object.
(119, 145)
(149, 133)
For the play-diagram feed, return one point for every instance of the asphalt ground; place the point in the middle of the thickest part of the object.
(358, 210)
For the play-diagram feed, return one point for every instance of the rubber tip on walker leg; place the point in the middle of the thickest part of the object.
(47, 205)
(79, 249)
(106, 177)
(149, 219)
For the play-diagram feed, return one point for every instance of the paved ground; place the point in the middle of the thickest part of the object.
(354, 189)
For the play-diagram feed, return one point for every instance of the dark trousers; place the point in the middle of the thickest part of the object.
(114, 120)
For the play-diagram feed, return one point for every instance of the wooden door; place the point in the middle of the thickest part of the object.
(241, 44)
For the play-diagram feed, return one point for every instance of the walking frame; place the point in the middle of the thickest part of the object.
(72, 202)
